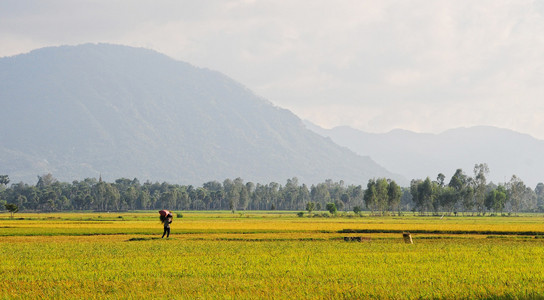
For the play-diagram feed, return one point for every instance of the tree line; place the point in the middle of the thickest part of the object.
(123, 194)
(465, 194)
(462, 194)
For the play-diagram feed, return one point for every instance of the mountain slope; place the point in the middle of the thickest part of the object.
(82, 111)
(418, 155)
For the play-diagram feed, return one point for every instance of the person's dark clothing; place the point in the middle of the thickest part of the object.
(167, 227)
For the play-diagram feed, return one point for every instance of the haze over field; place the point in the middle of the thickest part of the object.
(424, 66)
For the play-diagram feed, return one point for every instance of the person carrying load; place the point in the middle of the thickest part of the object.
(166, 218)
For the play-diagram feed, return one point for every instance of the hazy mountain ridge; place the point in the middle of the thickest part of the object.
(82, 111)
(418, 155)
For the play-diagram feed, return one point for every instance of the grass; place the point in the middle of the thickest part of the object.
(276, 256)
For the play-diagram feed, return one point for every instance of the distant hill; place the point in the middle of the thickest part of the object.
(418, 155)
(117, 111)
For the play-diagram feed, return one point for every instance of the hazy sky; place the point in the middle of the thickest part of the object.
(424, 66)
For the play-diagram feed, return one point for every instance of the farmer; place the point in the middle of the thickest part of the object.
(166, 220)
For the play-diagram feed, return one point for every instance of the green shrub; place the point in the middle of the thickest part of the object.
(331, 207)
(357, 209)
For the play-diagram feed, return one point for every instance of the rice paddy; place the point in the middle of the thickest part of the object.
(259, 255)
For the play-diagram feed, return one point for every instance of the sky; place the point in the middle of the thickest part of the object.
(424, 66)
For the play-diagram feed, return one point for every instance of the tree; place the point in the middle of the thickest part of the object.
(467, 197)
(393, 196)
(345, 199)
(500, 198)
(406, 200)
(290, 193)
(423, 194)
(529, 200)
(320, 194)
(107, 196)
(463, 192)
(201, 197)
(355, 195)
(303, 195)
(144, 199)
(12, 208)
(244, 196)
(496, 199)
(381, 193)
(45, 180)
(426, 193)
(339, 204)
(310, 206)
(370, 195)
(458, 180)
(440, 179)
(217, 196)
(539, 191)
(414, 192)
(48, 200)
(357, 209)
(232, 192)
(167, 199)
(516, 189)
(131, 197)
(331, 207)
(447, 198)
(480, 184)
(4, 180)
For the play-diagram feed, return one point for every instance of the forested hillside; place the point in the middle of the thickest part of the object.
(115, 111)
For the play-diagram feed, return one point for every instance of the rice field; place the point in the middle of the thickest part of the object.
(258, 255)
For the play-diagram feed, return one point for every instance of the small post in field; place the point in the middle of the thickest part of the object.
(407, 238)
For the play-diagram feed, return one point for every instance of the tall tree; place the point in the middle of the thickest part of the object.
(539, 191)
(447, 197)
(426, 192)
(320, 194)
(232, 192)
(393, 196)
(345, 200)
(356, 195)
(529, 200)
(144, 199)
(414, 192)
(371, 196)
(463, 192)
(516, 189)
(480, 185)
(381, 192)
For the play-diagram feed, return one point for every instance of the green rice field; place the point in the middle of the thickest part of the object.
(259, 255)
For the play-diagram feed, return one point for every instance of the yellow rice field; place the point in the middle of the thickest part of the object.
(269, 256)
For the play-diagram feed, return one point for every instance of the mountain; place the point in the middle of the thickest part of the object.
(418, 155)
(117, 111)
